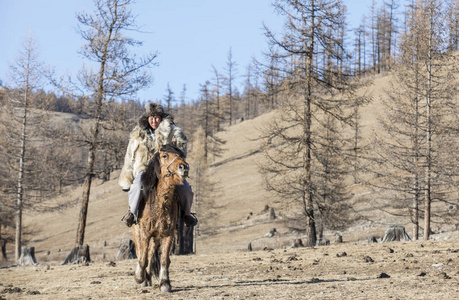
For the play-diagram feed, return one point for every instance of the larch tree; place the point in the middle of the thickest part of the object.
(271, 76)
(208, 118)
(203, 186)
(416, 148)
(26, 77)
(300, 154)
(438, 90)
(231, 75)
(453, 25)
(169, 99)
(118, 73)
(251, 92)
(217, 91)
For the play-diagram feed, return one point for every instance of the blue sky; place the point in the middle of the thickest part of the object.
(189, 35)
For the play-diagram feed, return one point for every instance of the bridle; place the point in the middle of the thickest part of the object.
(169, 173)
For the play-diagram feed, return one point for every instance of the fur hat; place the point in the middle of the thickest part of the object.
(154, 109)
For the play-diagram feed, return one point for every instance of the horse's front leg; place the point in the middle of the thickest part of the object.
(143, 243)
(166, 247)
(151, 261)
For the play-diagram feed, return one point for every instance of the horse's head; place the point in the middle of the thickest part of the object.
(172, 163)
(168, 163)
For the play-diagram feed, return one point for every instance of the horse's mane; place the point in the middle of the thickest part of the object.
(151, 176)
(152, 173)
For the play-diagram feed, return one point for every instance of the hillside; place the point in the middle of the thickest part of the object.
(222, 267)
(236, 211)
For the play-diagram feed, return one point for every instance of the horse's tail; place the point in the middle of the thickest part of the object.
(155, 263)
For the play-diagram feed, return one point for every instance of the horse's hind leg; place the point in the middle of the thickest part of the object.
(166, 247)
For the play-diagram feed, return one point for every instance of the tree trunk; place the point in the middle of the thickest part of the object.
(428, 199)
(85, 202)
(307, 157)
(356, 142)
(21, 166)
(416, 155)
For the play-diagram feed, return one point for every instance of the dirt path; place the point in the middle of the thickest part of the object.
(411, 270)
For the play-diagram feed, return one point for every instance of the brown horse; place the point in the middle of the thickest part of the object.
(155, 230)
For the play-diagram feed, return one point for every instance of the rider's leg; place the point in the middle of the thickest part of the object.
(134, 194)
(186, 195)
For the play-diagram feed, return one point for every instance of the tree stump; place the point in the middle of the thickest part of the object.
(272, 214)
(27, 256)
(127, 250)
(3, 247)
(266, 208)
(297, 243)
(78, 255)
(338, 238)
(372, 239)
(323, 242)
(271, 232)
(395, 233)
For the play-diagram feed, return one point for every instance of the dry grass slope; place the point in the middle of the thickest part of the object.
(222, 267)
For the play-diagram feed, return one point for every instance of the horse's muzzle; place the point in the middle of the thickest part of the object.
(183, 170)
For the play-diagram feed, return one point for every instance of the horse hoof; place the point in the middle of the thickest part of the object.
(139, 280)
(145, 283)
(139, 275)
(166, 288)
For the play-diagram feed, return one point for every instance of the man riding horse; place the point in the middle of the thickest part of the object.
(155, 129)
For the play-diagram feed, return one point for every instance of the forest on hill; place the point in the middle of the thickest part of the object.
(314, 75)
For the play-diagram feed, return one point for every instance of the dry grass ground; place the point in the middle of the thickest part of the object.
(396, 270)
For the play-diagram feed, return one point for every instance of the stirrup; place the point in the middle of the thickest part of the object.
(193, 220)
(129, 218)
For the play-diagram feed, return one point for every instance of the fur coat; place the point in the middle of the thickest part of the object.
(142, 147)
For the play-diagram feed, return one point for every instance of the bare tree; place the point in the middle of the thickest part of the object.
(119, 73)
(417, 153)
(453, 25)
(251, 93)
(169, 99)
(204, 187)
(270, 73)
(208, 118)
(217, 87)
(26, 77)
(312, 31)
(231, 75)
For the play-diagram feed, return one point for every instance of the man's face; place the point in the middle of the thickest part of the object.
(154, 121)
